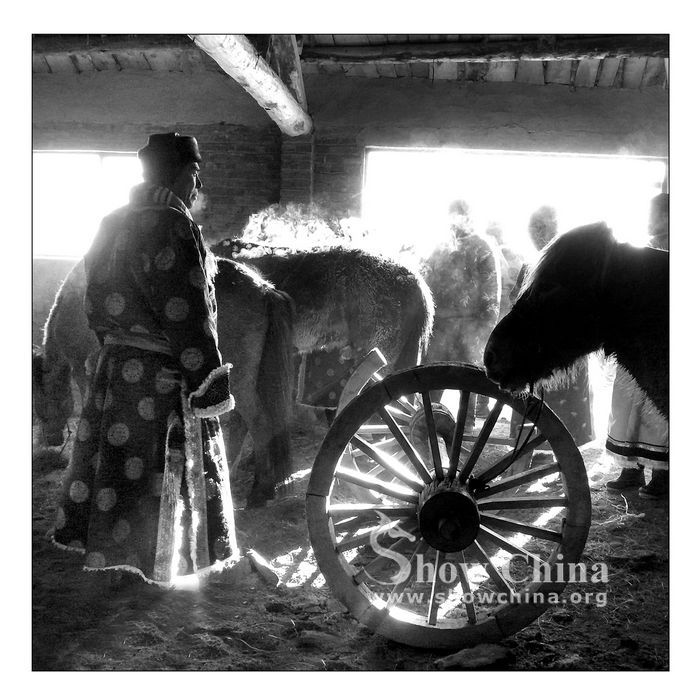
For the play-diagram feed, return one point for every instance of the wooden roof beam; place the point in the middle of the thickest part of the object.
(239, 59)
(539, 48)
(284, 59)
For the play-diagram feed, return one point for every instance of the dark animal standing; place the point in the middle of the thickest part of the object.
(255, 327)
(587, 292)
(341, 297)
(346, 297)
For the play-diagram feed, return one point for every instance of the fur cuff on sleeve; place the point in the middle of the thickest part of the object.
(213, 397)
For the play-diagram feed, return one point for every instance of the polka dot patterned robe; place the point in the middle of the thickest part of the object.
(147, 486)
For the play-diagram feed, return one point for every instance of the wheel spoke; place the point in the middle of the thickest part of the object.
(398, 414)
(348, 510)
(374, 429)
(518, 479)
(476, 549)
(434, 606)
(432, 436)
(484, 434)
(503, 543)
(350, 525)
(466, 589)
(503, 464)
(407, 447)
(388, 463)
(365, 537)
(516, 526)
(516, 502)
(407, 405)
(355, 523)
(456, 447)
(368, 482)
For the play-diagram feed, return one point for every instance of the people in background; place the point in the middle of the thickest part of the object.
(637, 432)
(571, 402)
(147, 486)
(511, 262)
(465, 279)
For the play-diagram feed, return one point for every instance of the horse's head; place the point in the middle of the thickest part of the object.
(557, 317)
(53, 397)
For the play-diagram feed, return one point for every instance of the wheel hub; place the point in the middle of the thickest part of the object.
(448, 516)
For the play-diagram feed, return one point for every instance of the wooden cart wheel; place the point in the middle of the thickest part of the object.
(424, 522)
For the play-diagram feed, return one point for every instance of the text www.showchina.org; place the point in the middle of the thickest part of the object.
(490, 598)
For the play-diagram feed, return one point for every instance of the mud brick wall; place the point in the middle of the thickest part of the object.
(326, 168)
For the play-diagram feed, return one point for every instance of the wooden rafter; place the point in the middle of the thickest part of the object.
(239, 59)
(284, 58)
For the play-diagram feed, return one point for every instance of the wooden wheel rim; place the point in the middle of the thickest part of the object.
(505, 619)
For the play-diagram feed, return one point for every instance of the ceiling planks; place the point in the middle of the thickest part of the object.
(557, 72)
(401, 56)
(608, 72)
(501, 71)
(59, 63)
(531, 72)
(655, 73)
(445, 70)
(39, 63)
(499, 47)
(633, 72)
(386, 70)
(587, 72)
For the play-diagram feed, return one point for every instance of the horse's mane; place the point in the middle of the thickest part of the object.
(230, 272)
(584, 245)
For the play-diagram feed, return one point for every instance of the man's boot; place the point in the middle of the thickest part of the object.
(657, 488)
(630, 477)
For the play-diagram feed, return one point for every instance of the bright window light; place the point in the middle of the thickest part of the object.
(407, 192)
(72, 193)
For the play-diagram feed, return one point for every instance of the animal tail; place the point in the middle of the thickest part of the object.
(419, 322)
(275, 381)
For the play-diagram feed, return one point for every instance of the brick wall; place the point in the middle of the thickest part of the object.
(241, 170)
(335, 180)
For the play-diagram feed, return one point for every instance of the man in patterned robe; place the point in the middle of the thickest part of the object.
(147, 487)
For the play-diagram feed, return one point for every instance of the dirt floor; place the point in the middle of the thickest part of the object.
(241, 621)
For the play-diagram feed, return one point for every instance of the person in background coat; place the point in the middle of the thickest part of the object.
(637, 432)
(465, 279)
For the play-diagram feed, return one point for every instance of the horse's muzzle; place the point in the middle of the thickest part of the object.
(494, 367)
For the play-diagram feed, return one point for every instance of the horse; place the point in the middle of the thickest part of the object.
(346, 298)
(587, 292)
(254, 327)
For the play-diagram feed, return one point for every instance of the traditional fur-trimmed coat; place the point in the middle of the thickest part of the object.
(147, 486)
